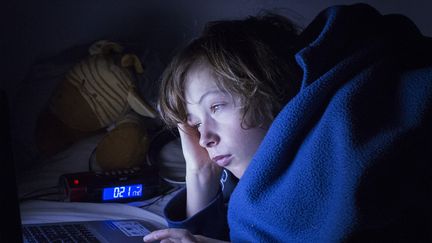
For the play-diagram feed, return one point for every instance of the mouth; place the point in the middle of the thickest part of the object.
(222, 160)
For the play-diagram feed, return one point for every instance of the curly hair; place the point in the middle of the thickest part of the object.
(252, 58)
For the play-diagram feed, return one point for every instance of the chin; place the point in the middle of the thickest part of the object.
(237, 172)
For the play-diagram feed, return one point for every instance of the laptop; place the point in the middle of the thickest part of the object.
(87, 231)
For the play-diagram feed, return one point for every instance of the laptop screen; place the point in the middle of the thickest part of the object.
(10, 230)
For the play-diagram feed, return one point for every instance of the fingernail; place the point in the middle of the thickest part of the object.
(146, 238)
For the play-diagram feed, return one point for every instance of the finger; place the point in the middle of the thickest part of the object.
(201, 238)
(183, 126)
(171, 234)
(196, 157)
(153, 236)
(189, 138)
(186, 130)
(168, 241)
(188, 135)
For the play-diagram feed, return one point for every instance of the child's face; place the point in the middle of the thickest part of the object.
(217, 115)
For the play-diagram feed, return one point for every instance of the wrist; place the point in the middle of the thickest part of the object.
(204, 183)
(205, 167)
(201, 189)
(209, 171)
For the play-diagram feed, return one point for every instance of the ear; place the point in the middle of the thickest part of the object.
(105, 47)
(129, 60)
(139, 105)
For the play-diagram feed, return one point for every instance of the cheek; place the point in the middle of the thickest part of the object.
(243, 141)
(247, 141)
(255, 137)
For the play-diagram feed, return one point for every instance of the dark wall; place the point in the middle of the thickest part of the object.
(35, 31)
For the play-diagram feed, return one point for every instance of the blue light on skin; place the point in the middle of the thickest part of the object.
(122, 192)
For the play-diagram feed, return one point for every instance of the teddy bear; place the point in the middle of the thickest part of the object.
(99, 95)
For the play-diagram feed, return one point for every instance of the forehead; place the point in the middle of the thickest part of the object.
(199, 80)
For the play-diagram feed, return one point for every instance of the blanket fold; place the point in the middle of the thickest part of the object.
(349, 157)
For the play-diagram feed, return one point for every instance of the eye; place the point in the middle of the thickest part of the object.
(216, 107)
(195, 125)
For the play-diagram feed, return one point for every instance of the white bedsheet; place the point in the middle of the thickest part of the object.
(36, 211)
(43, 178)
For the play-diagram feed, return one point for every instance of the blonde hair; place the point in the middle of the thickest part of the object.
(252, 58)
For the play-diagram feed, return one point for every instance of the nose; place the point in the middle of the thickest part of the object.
(208, 136)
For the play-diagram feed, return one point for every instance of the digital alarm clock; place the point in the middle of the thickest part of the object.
(111, 186)
(122, 192)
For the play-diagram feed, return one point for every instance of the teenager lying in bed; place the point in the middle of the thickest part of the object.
(329, 130)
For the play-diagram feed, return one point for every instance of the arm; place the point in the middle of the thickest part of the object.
(210, 221)
(202, 199)
(202, 175)
(178, 235)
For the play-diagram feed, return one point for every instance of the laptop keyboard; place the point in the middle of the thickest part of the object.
(58, 233)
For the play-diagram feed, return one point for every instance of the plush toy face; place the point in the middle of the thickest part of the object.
(103, 87)
(95, 94)
(95, 85)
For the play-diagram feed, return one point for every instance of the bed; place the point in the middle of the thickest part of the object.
(58, 40)
(42, 199)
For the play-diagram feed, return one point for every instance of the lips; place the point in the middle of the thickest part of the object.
(222, 160)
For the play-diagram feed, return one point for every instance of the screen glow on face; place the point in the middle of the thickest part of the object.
(122, 192)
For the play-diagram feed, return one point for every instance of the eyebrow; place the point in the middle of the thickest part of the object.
(209, 93)
(202, 98)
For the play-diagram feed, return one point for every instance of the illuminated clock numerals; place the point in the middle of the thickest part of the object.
(118, 192)
(122, 192)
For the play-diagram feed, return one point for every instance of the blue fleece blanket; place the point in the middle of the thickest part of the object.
(349, 158)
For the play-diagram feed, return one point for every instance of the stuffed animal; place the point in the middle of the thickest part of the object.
(99, 95)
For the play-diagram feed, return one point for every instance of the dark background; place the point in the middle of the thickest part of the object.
(33, 32)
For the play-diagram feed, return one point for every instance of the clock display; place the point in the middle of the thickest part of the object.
(122, 192)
